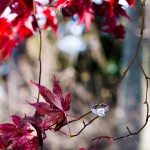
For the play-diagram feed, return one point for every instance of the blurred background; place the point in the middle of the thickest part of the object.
(87, 64)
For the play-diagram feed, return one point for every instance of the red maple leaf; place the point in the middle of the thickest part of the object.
(86, 13)
(22, 7)
(6, 46)
(70, 8)
(4, 142)
(119, 32)
(44, 108)
(19, 135)
(5, 27)
(51, 19)
(55, 98)
(7, 128)
(117, 9)
(16, 120)
(131, 2)
(55, 107)
(60, 2)
(25, 137)
(86, 17)
(82, 8)
(108, 25)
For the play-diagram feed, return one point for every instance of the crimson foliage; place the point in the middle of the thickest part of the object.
(25, 24)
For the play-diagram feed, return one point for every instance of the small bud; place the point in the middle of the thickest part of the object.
(69, 135)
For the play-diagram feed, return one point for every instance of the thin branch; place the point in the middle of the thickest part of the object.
(40, 62)
(146, 90)
(40, 48)
(99, 138)
(139, 63)
(79, 117)
(128, 130)
(135, 133)
(123, 76)
(39, 58)
(85, 125)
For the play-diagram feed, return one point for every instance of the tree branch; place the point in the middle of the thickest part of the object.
(85, 125)
(39, 58)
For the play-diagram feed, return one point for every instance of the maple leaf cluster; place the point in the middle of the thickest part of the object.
(28, 13)
(24, 25)
(28, 133)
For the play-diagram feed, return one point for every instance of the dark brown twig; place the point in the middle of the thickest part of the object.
(84, 126)
(79, 117)
(135, 133)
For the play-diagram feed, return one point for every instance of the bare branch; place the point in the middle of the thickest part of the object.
(85, 125)
(79, 117)
(40, 61)
(39, 58)
(136, 133)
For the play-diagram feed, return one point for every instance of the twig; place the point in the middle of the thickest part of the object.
(39, 58)
(40, 62)
(85, 125)
(135, 133)
(79, 117)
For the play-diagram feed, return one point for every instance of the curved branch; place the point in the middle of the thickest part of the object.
(137, 132)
